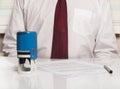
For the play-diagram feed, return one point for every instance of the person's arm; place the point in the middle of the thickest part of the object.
(16, 24)
(106, 45)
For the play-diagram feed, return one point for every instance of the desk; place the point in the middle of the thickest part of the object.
(10, 79)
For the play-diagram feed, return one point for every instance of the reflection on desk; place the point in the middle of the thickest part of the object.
(64, 74)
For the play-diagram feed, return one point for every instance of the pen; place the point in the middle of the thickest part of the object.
(108, 69)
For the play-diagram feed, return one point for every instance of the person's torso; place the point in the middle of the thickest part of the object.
(82, 25)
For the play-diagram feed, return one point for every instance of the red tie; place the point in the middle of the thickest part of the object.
(60, 33)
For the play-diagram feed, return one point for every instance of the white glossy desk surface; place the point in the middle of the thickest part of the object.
(10, 79)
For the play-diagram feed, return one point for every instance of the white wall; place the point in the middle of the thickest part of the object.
(115, 6)
(5, 12)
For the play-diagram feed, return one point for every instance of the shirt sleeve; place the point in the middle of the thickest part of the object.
(16, 24)
(106, 45)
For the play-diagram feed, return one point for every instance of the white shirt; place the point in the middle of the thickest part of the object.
(90, 30)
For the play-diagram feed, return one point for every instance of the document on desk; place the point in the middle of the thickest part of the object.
(71, 68)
